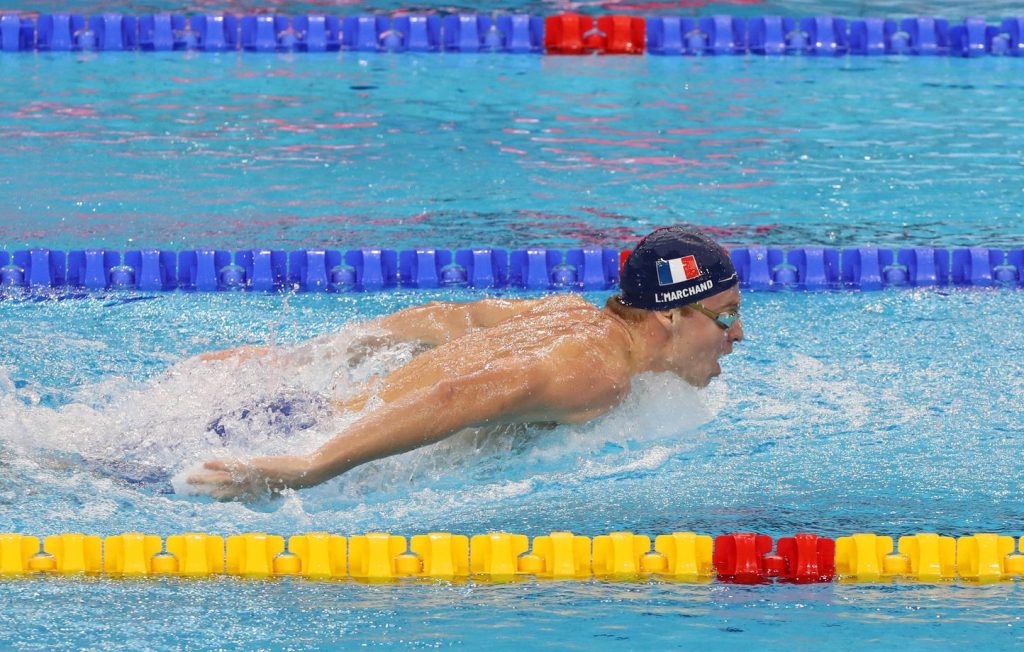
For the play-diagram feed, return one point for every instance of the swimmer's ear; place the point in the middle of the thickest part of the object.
(666, 318)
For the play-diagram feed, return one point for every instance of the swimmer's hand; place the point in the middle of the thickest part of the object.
(255, 478)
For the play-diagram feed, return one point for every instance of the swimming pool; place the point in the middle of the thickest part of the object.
(893, 412)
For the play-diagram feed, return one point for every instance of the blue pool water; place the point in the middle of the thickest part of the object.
(237, 151)
(893, 412)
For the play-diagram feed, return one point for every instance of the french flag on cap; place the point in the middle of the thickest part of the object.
(677, 270)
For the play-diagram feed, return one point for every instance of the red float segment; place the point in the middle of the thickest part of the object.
(774, 566)
(576, 34)
(623, 255)
(564, 33)
(808, 558)
(623, 34)
(740, 557)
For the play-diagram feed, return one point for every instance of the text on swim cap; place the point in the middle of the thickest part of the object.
(665, 297)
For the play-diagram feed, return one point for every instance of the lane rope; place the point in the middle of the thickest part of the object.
(561, 34)
(371, 269)
(745, 558)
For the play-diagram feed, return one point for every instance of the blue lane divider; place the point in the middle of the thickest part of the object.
(512, 33)
(371, 269)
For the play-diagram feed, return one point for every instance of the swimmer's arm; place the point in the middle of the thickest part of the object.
(436, 322)
(417, 419)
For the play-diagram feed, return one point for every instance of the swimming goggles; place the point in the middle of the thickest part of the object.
(724, 319)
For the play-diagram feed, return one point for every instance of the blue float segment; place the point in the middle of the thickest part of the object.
(215, 32)
(756, 267)
(199, 269)
(927, 35)
(925, 266)
(520, 34)
(13, 36)
(862, 268)
(265, 270)
(594, 269)
(153, 270)
(264, 33)
(317, 33)
(56, 32)
(367, 34)
(91, 268)
(485, 268)
(1010, 34)
(467, 33)
(826, 35)
(418, 33)
(161, 32)
(665, 36)
(11, 275)
(375, 269)
(1012, 271)
(426, 268)
(974, 266)
(897, 41)
(534, 269)
(867, 37)
(41, 267)
(969, 39)
(114, 32)
(312, 270)
(721, 35)
(769, 35)
(816, 268)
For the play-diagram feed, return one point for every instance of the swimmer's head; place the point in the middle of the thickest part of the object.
(684, 285)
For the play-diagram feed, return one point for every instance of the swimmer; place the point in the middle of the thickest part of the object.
(553, 360)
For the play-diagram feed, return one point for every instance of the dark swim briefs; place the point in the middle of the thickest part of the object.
(285, 414)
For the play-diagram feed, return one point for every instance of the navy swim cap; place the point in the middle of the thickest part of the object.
(675, 266)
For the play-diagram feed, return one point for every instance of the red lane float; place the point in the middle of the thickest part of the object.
(739, 557)
(746, 558)
(808, 558)
(572, 33)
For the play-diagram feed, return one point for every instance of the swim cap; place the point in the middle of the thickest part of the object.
(675, 266)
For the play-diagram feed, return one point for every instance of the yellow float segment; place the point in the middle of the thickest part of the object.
(75, 552)
(442, 554)
(252, 554)
(15, 551)
(562, 555)
(982, 557)
(163, 564)
(931, 556)
(320, 554)
(130, 553)
(862, 556)
(687, 554)
(496, 554)
(619, 553)
(372, 556)
(197, 554)
(42, 563)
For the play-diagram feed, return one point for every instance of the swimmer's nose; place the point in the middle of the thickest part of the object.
(735, 332)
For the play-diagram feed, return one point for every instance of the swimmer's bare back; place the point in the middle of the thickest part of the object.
(558, 359)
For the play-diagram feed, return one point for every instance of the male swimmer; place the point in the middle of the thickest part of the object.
(558, 359)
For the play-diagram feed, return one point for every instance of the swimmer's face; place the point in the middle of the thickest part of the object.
(697, 341)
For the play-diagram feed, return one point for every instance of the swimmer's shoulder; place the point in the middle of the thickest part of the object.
(564, 303)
